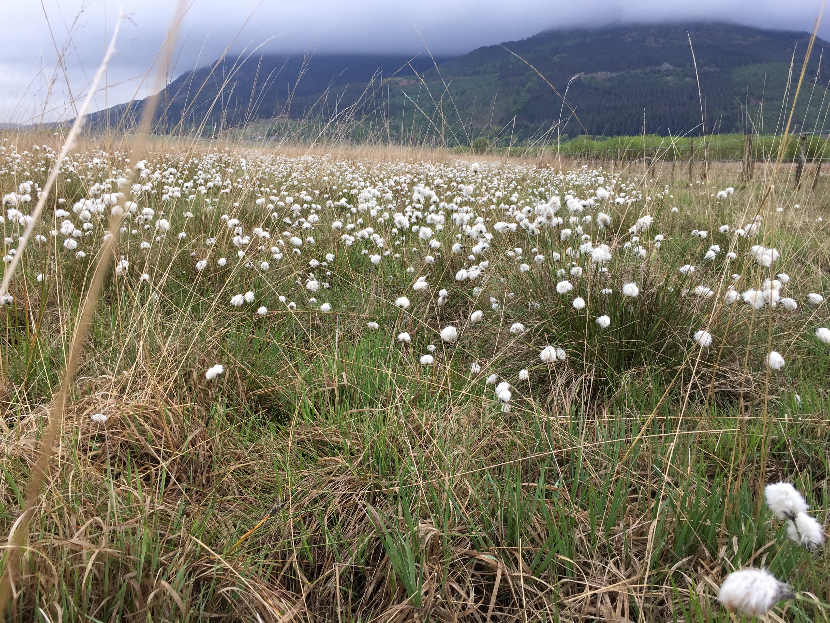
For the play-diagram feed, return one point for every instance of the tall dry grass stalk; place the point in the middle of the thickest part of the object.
(21, 527)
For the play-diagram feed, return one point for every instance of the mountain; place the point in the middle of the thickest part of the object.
(235, 91)
(622, 80)
(630, 76)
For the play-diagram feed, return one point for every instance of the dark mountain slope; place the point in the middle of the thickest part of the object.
(618, 80)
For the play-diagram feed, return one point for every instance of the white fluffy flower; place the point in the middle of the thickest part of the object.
(427, 360)
(631, 290)
(784, 501)
(516, 328)
(312, 285)
(763, 256)
(823, 334)
(325, 308)
(249, 297)
(262, 311)
(643, 223)
(579, 303)
(806, 531)
(774, 360)
(815, 299)
(477, 316)
(752, 591)
(563, 287)
(99, 418)
(548, 354)
(475, 368)
(449, 334)
(402, 302)
(703, 338)
(237, 300)
(754, 298)
(601, 254)
(604, 322)
(524, 374)
(404, 337)
(373, 326)
(201, 265)
(214, 371)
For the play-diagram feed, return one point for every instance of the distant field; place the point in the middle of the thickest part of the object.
(458, 387)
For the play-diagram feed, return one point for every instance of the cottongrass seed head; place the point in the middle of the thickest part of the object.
(631, 290)
(752, 591)
(214, 371)
(774, 360)
(806, 530)
(703, 338)
(449, 334)
(548, 354)
(784, 501)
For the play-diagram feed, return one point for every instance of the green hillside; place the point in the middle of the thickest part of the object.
(619, 81)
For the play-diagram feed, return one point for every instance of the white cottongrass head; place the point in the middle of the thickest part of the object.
(427, 360)
(784, 500)
(703, 338)
(214, 371)
(578, 303)
(631, 290)
(524, 374)
(601, 254)
(806, 531)
(249, 297)
(372, 326)
(503, 392)
(475, 368)
(402, 302)
(477, 316)
(752, 591)
(563, 287)
(262, 311)
(98, 418)
(237, 300)
(449, 334)
(548, 354)
(404, 337)
(774, 360)
(517, 328)
(604, 322)
(815, 299)
(823, 334)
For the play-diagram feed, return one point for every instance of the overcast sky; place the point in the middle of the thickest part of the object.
(33, 86)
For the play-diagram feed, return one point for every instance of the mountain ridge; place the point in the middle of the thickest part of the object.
(619, 80)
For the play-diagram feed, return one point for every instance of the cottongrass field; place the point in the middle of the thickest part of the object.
(393, 386)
